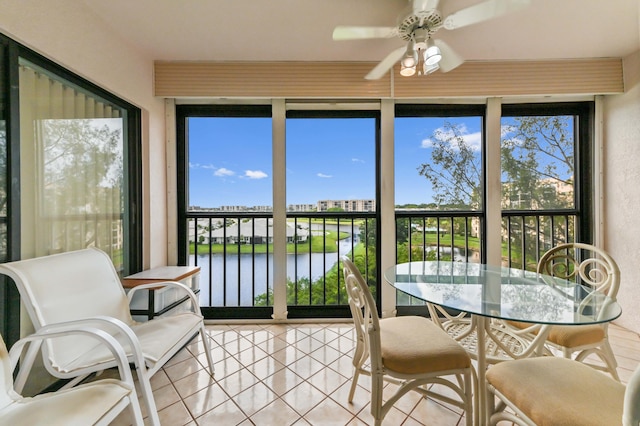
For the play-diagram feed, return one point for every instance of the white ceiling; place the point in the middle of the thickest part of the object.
(301, 30)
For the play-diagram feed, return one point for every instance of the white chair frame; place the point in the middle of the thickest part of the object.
(84, 276)
(600, 273)
(108, 412)
(369, 348)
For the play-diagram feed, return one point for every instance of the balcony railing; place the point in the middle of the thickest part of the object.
(526, 235)
(235, 250)
(235, 253)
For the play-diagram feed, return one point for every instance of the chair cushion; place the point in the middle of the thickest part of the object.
(157, 338)
(574, 336)
(558, 391)
(569, 336)
(83, 405)
(415, 345)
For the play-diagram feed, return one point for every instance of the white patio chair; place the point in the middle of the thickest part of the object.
(94, 403)
(559, 391)
(83, 287)
(410, 351)
(598, 271)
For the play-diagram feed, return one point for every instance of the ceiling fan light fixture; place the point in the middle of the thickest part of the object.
(407, 71)
(410, 58)
(432, 54)
(428, 69)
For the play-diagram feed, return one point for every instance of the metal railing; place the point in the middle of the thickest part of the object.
(235, 250)
(235, 253)
(526, 235)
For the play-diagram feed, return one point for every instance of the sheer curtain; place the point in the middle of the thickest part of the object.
(72, 167)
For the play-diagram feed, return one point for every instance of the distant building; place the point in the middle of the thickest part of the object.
(243, 231)
(301, 207)
(347, 205)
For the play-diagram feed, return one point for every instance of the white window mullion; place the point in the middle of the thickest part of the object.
(387, 205)
(279, 211)
(493, 209)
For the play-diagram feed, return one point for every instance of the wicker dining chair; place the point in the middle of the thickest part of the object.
(410, 351)
(597, 271)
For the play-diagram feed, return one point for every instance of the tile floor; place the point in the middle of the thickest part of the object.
(296, 374)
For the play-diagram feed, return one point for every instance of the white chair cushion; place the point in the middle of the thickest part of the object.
(157, 338)
(62, 407)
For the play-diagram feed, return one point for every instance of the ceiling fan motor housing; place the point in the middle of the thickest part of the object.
(426, 21)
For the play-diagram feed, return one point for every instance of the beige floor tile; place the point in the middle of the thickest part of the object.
(276, 413)
(176, 414)
(306, 367)
(255, 398)
(265, 367)
(327, 380)
(227, 413)
(303, 397)
(283, 381)
(237, 382)
(328, 413)
(205, 400)
(193, 383)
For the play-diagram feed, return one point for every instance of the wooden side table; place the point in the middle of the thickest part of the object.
(160, 301)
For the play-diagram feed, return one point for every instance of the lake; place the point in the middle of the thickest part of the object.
(258, 269)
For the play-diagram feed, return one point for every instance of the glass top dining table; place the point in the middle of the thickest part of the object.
(493, 293)
(502, 293)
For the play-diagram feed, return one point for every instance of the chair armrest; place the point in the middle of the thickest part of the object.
(34, 341)
(168, 284)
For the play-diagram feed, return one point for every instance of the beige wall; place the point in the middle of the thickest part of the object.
(66, 32)
(622, 189)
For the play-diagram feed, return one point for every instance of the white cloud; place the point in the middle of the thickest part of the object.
(224, 172)
(474, 140)
(357, 160)
(201, 166)
(322, 175)
(255, 174)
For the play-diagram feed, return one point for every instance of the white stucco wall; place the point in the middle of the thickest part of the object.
(66, 32)
(622, 189)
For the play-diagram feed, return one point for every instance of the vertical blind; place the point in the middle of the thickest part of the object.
(72, 167)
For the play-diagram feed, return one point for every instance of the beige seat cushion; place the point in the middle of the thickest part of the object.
(574, 336)
(79, 406)
(570, 336)
(558, 391)
(415, 345)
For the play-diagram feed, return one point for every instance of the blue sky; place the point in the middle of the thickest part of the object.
(230, 161)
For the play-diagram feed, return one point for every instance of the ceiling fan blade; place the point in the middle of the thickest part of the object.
(450, 59)
(482, 12)
(356, 33)
(386, 64)
(420, 5)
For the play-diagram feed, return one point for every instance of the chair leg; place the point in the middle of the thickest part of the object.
(147, 394)
(136, 413)
(354, 383)
(376, 398)
(470, 415)
(610, 359)
(207, 348)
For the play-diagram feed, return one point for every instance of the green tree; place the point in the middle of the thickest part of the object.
(455, 169)
(537, 151)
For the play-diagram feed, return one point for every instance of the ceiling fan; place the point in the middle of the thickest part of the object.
(417, 29)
